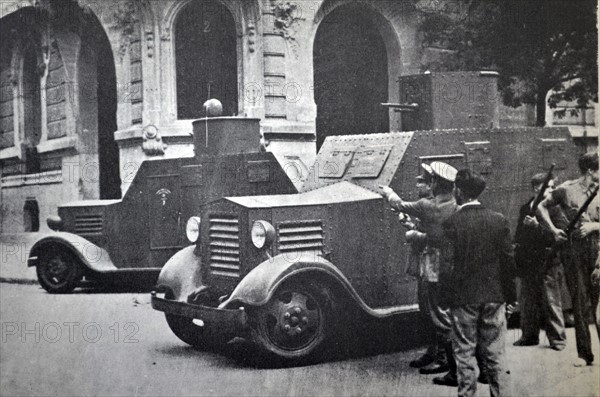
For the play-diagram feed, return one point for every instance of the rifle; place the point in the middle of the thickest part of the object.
(571, 226)
(551, 252)
(540, 195)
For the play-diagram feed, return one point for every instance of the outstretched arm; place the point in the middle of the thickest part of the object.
(412, 208)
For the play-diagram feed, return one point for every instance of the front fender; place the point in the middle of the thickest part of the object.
(181, 275)
(89, 254)
(259, 285)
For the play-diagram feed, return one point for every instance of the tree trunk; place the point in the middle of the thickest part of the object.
(540, 108)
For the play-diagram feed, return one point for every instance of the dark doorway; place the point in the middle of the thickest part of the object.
(31, 215)
(32, 124)
(108, 150)
(350, 74)
(206, 59)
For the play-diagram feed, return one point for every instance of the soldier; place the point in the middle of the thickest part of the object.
(578, 251)
(540, 275)
(432, 212)
(417, 239)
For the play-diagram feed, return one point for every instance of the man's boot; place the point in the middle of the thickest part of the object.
(440, 364)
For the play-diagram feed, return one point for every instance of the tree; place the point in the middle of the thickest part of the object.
(537, 46)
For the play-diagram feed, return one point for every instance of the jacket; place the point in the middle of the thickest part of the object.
(532, 243)
(480, 253)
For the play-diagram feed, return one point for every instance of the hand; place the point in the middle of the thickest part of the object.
(510, 309)
(530, 221)
(386, 191)
(596, 277)
(585, 229)
(559, 236)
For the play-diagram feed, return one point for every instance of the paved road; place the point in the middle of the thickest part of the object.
(115, 344)
(14, 251)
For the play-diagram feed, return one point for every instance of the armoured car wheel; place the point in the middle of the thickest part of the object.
(201, 337)
(294, 323)
(58, 271)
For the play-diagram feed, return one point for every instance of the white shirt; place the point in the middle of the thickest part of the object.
(474, 202)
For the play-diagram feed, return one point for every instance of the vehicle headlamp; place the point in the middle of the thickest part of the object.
(263, 234)
(192, 229)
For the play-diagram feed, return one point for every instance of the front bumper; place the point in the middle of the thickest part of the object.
(233, 321)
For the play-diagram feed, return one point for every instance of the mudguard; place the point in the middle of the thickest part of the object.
(91, 256)
(261, 283)
(181, 275)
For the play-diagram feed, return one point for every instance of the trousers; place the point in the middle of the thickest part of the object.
(541, 305)
(438, 319)
(432, 348)
(480, 330)
(579, 258)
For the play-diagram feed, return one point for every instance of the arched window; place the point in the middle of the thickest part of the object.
(32, 125)
(6, 96)
(205, 58)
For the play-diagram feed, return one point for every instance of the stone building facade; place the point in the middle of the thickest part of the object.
(90, 89)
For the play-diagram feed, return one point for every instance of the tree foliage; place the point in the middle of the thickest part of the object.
(536, 46)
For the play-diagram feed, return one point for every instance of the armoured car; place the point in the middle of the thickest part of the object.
(285, 270)
(130, 239)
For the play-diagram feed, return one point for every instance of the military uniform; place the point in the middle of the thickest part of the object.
(431, 213)
(579, 256)
(416, 238)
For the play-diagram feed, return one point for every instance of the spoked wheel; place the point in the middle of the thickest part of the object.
(200, 336)
(294, 323)
(58, 272)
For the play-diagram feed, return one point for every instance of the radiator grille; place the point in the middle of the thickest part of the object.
(301, 236)
(224, 246)
(88, 224)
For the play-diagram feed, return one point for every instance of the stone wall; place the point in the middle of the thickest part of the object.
(52, 49)
(275, 70)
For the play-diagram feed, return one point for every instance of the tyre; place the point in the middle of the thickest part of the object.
(293, 325)
(58, 271)
(200, 337)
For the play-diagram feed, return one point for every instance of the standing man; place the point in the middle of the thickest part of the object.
(540, 275)
(580, 250)
(432, 212)
(476, 284)
(417, 240)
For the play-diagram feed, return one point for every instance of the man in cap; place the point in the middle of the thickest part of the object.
(431, 213)
(579, 251)
(417, 240)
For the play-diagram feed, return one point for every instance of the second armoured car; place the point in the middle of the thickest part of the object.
(129, 240)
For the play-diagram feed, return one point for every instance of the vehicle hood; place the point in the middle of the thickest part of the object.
(342, 192)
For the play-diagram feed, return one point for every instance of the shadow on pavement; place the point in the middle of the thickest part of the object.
(371, 338)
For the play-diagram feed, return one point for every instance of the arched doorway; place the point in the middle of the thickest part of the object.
(106, 94)
(206, 58)
(350, 74)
